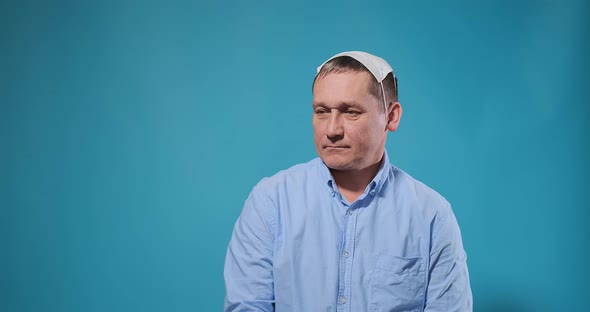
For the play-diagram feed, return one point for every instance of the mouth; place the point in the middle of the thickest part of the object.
(335, 147)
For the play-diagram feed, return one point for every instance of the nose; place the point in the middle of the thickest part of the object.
(334, 129)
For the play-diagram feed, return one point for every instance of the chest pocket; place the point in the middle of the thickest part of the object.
(398, 284)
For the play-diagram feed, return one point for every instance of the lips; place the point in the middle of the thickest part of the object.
(335, 146)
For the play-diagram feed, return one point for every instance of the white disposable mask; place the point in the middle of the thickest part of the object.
(376, 65)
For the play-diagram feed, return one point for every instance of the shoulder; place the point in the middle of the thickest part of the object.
(427, 205)
(296, 174)
(264, 198)
(420, 196)
(277, 192)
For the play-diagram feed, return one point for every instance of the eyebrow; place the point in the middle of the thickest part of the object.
(341, 105)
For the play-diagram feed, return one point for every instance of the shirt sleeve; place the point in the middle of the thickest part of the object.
(248, 268)
(448, 285)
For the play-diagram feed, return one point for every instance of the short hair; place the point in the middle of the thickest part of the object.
(343, 64)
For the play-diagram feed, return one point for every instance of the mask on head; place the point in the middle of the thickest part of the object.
(376, 65)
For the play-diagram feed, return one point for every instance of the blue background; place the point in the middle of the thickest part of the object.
(132, 132)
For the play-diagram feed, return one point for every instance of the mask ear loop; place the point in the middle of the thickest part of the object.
(384, 100)
(384, 104)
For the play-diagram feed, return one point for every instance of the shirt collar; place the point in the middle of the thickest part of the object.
(374, 186)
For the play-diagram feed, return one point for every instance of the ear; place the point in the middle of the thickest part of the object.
(394, 114)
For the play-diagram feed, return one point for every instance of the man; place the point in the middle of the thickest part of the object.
(347, 231)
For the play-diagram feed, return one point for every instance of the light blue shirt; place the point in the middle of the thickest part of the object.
(300, 246)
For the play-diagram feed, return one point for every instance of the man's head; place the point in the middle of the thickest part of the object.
(355, 103)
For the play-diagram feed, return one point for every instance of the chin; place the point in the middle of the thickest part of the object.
(338, 165)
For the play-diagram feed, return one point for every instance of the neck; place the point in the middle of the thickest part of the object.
(352, 183)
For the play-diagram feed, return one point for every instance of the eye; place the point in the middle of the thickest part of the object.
(321, 111)
(351, 112)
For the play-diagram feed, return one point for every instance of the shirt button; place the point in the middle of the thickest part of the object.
(346, 254)
(350, 212)
(343, 300)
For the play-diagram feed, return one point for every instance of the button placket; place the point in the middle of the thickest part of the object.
(346, 260)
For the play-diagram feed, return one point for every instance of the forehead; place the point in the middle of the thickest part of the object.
(343, 87)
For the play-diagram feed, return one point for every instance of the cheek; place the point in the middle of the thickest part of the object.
(316, 131)
(363, 131)
(317, 135)
(369, 135)
(319, 127)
